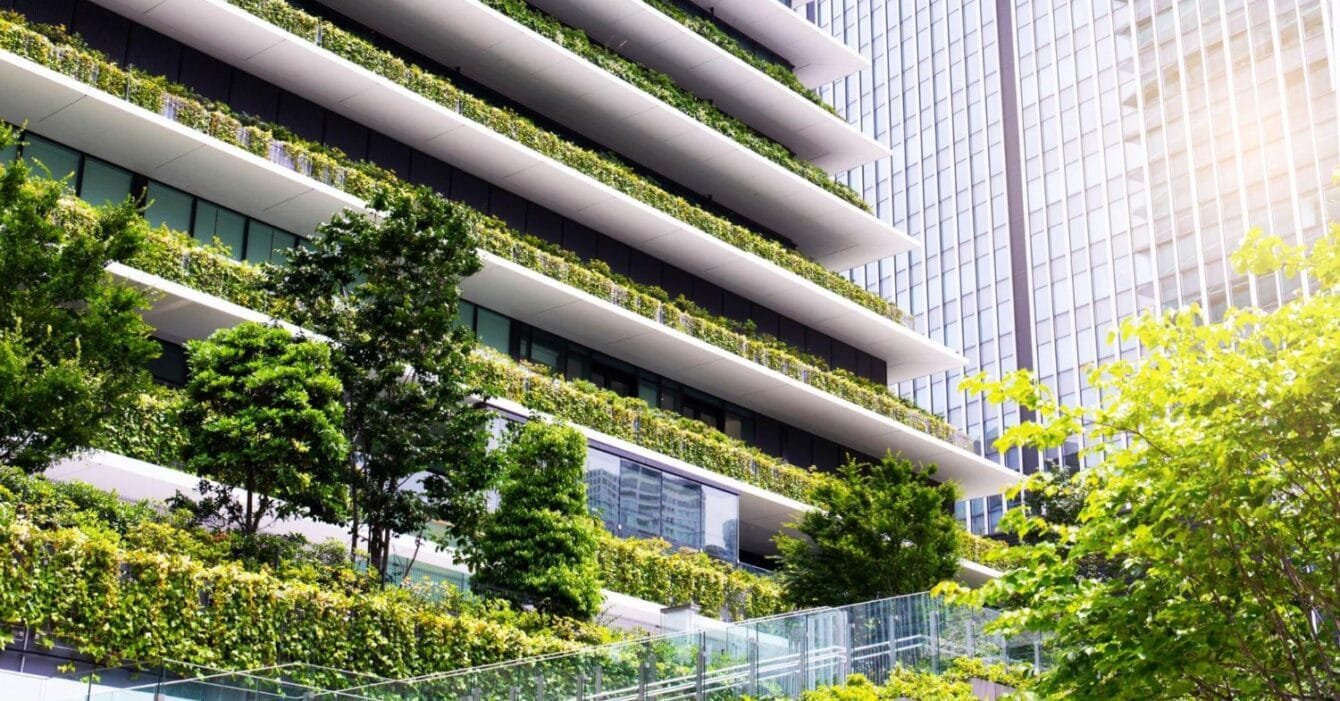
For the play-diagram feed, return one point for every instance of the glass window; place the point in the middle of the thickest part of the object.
(169, 207)
(8, 153)
(103, 183)
(48, 157)
(281, 242)
(260, 240)
(639, 501)
(602, 487)
(682, 511)
(465, 315)
(546, 349)
(494, 330)
(214, 222)
(721, 524)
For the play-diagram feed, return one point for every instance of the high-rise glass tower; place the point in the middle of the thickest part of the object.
(1065, 165)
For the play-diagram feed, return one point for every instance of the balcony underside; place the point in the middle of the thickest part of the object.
(550, 305)
(819, 58)
(645, 35)
(82, 117)
(253, 45)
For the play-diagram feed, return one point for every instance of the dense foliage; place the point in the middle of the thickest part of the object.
(540, 543)
(151, 591)
(654, 571)
(1214, 495)
(707, 28)
(602, 167)
(877, 531)
(664, 88)
(51, 47)
(953, 684)
(72, 343)
(386, 289)
(264, 415)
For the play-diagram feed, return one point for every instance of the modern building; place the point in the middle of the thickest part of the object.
(691, 164)
(1065, 165)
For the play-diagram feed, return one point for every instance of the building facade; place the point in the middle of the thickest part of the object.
(1066, 165)
(665, 268)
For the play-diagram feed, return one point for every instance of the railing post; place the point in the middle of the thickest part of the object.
(700, 683)
(972, 640)
(892, 629)
(644, 673)
(805, 656)
(599, 682)
(935, 641)
(1037, 656)
(581, 686)
(753, 667)
(539, 685)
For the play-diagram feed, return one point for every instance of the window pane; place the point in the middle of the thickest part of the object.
(494, 330)
(682, 511)
(103, 183)
(169, 207)
(260, 238)
(45, 156)
(465, 315)
(212, 221)
(7, 154)
(280, 246)
(602, 487)
(721, 525)
(639, 500)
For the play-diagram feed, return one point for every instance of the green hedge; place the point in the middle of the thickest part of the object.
(905, 683)
(51, 47)
(708, 29)
(655, 571)
(663, 88)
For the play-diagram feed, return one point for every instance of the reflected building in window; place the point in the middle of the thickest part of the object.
(1065, 165)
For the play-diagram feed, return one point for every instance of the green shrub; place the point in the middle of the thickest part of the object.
(655, 571)
(541, 543)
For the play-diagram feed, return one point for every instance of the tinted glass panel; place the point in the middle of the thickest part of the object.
(214, 222)
(169, 207)
(494, 330)
(639, 501)
(682, 511)
(721, 525)
(103, 183)
(260, 238)
(44, 156)
(602, 487)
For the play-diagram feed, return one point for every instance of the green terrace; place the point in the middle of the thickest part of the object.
(54, 49)
(667, 91)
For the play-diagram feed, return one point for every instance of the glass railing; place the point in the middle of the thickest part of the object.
(778, 657)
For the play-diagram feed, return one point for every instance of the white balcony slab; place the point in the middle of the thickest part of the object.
(550, 305)
(819, 57)
(495, 50)
(151, 144)
(112, 129)
(825, 228)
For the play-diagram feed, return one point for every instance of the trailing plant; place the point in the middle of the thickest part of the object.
(72, 342)
(599, 166)
(656, 571)
(148, 428)
(129, 604)
(595, 278)
(664, 88)
(541, 542)
(708, 29)
(50, 47)
(912, 684)
(988, 551)
(631, 419)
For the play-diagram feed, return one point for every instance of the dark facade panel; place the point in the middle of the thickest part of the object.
(103, 29)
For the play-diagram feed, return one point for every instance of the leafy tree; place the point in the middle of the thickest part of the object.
(72, 344)
(877, 530)
(385, 287)
(265, 414)
(1218, 508)
(542, 540)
